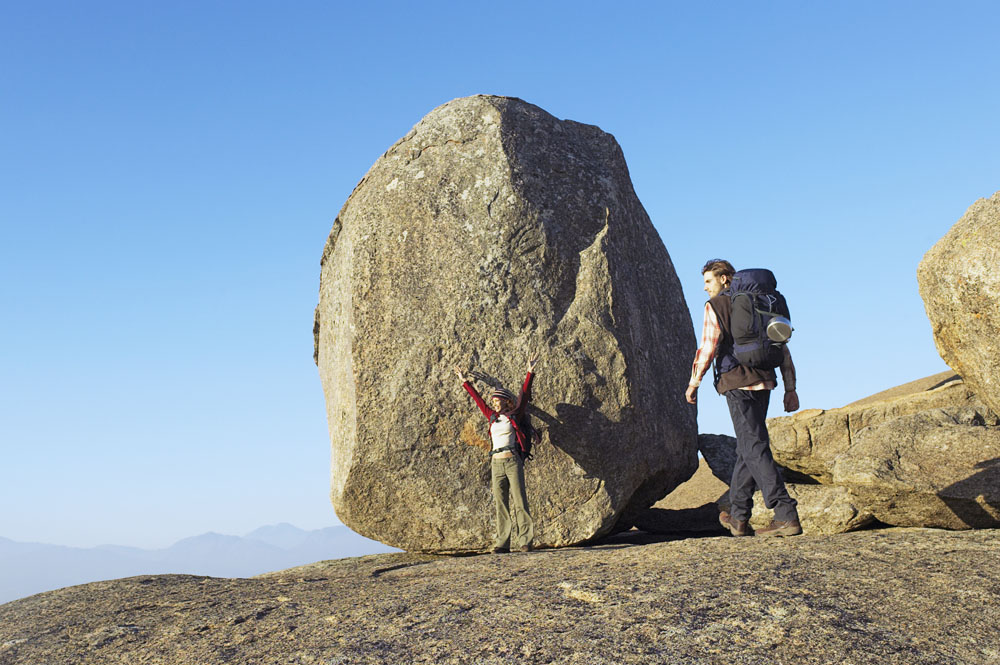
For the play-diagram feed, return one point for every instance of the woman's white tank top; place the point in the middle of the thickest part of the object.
(502, 433)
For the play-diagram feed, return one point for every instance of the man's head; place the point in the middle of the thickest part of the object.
(718, 273)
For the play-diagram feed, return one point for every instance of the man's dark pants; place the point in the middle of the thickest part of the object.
(755, 467)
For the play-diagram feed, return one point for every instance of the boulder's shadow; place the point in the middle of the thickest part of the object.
(634, 537)
(960, 497)
(570, 426)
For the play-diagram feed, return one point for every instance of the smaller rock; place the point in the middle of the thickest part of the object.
(809, 441)
(694, 506)
(719, 451)
(925, 454)
(938, 468)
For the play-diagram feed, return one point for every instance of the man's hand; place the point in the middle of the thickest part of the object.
(691, 394)
(531, 363)
(791, 401)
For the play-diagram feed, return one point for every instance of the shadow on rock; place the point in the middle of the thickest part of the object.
(642, 537)
(975, 500)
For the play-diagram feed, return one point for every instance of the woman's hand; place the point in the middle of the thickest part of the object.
(532, 362)
(461, 376)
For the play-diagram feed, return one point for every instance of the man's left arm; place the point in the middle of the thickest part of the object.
(788, 378)
(711, 331)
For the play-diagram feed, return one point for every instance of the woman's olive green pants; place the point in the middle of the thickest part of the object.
(514, 526)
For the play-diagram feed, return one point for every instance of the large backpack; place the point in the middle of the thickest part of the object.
(756, 302)
(522, 424)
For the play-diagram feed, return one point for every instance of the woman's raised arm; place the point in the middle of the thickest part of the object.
(471, 389)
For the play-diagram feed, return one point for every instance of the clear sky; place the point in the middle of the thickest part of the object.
(169, 173)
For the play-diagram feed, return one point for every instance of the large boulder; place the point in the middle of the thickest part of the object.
(490, 232)
(959, 280)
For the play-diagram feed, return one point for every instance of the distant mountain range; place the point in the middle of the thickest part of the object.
(30, 568)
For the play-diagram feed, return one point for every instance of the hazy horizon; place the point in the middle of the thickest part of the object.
(30, 568)
(174, 542)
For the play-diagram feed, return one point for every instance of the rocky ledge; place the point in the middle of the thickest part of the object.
(908, 596)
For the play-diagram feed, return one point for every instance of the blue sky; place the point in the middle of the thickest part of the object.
(169, 173)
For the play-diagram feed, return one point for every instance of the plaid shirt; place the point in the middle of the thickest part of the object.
(711, 332)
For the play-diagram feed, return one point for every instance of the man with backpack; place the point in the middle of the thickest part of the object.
(736, 335)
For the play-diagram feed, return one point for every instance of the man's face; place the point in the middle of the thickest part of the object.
(714, 285)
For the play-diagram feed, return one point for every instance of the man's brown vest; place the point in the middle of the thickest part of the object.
(741, 377)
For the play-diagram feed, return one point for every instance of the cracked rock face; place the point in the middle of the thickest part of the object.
(959, 280)
(809, 441)
(490, 232)
(937, 468)
(929, 458)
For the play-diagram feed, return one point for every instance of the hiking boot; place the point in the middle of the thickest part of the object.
(736, 527)
(500, 550)
(778, 528)
(526, 548)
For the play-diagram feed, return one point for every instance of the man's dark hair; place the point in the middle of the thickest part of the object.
(719, 267)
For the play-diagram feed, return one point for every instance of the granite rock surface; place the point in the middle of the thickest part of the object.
(930, 457)
(491, 232)
(896, 597)
(809, 441)
(938, 468)
(959, 280)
